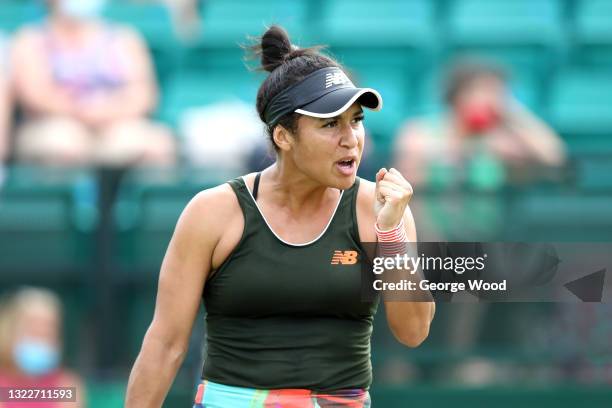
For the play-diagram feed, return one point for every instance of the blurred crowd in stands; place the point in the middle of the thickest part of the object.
(79, 91)
(85, 90)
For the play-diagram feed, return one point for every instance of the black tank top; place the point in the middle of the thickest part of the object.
(280, 315)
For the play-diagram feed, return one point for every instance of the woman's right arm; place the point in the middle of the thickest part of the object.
(183, 273)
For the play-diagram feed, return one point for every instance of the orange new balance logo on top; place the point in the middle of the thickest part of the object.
(344, 258)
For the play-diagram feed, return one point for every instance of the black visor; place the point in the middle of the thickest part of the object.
(325, 93)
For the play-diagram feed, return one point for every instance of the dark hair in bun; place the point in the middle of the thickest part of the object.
(287, 65)
(275, 47)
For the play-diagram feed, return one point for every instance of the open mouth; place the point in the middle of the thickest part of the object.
(346, 167)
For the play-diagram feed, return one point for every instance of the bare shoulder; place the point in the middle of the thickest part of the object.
(218, 195)
(209, 211)
(214, 203)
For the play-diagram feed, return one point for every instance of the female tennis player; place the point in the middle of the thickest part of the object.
(276, 256)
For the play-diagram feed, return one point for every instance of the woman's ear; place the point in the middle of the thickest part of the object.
(283, 138)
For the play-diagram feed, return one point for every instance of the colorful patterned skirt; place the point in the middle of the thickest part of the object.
(214, 395)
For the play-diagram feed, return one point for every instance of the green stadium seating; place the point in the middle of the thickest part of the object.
(15, 13)
(152, 20)
(48, 214)
(359, 23)
(190, 88)
(593, 174)
(391, 33)
(525, 33)
(138, 305)
(499, 396)
(397, 91)
(505, 22)
(563, 216)
(105, 395)
(228, 23)
(593, 32)
(580, 109)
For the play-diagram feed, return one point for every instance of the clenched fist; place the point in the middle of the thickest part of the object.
(393, 194)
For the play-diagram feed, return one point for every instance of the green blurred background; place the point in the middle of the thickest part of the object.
(97, 236)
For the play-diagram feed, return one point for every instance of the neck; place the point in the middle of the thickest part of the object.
(294, 190)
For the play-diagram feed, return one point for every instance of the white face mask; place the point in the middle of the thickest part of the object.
(35, 358)
(81, 9)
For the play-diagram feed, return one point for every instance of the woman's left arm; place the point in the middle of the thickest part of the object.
(409, 321)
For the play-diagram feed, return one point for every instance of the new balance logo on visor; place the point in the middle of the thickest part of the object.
(344, 258)
(336, 78)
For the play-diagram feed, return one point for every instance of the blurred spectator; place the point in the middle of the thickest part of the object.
(86, 87)
(483, 139)
(30, 346)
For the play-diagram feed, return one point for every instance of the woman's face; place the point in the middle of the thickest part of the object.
(36, 343)
(481, 103)
(329, 150)
(39, 323)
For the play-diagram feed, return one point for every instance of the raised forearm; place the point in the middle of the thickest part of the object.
(541, 142)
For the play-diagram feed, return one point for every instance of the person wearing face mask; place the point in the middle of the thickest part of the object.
(30, 346)
(86, 87)
(484, 136)
(484, 140)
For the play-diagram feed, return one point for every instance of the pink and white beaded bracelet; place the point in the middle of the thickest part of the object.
(393, 241)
